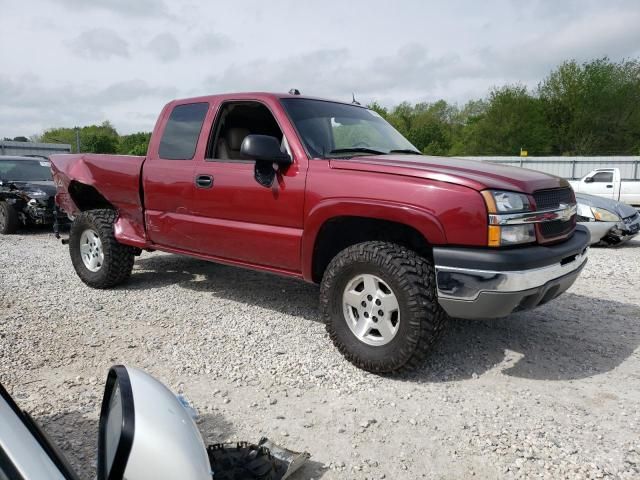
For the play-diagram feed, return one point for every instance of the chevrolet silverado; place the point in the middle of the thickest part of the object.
(330, 193)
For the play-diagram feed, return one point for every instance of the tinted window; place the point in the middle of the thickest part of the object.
(182, 131)
(603, 177)
(25, 170)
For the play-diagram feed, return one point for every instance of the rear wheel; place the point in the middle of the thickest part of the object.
(8, 219)
(380, 306)
(99, 260)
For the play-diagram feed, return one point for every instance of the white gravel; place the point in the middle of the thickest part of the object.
(553, 393)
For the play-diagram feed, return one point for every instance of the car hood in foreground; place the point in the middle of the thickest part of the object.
(470, 173)
(622, 209)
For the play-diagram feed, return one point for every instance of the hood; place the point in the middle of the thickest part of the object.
(621, 209)
(470, 173)
(47, 186)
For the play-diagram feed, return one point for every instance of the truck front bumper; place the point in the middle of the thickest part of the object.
(487, 283)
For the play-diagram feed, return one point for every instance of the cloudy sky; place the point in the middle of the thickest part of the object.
(75, 62)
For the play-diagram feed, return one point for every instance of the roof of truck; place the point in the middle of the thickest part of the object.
(257, 95)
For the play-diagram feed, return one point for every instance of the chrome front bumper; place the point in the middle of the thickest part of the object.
(468, 292)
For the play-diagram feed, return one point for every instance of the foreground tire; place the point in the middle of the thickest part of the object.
(380, 306)
(99, 260)
(8, 219)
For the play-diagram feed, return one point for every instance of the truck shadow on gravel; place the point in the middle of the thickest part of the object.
(572, 337)
(265, 290)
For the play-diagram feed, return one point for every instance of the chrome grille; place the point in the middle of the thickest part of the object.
(552, 199)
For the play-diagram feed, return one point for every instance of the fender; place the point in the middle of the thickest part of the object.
(419, 219)
(119, 180)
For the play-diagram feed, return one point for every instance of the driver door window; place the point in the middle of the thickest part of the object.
(234, 122)
(602, 177)
(601, 183)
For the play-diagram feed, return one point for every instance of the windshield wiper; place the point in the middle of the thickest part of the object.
(406, 150)
(358, 150)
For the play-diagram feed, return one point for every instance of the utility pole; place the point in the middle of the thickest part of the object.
(77, 129)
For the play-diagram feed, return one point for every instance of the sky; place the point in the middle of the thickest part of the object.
(76, 62)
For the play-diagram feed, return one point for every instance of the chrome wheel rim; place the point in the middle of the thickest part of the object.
(91, 250)
(371, 310)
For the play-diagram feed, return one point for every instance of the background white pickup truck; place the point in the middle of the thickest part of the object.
(606, 182)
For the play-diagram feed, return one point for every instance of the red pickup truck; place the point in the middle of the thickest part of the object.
(330, 193)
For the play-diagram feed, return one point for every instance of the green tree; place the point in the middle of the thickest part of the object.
(513, 119)
(101, 138)
(594, 107)
(134, 144)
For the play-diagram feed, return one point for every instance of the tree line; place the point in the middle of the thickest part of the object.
(590, 108)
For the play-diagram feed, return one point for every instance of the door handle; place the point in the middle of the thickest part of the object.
(204, 181)
(609, 186)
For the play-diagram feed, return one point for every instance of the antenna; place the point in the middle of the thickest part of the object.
(354, 101)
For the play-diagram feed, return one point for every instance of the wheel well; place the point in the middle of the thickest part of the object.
(87, 197)
(339, 233)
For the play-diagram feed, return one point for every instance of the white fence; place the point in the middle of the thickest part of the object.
(8, 147)
(571, 167)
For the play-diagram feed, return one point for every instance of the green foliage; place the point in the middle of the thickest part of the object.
(579, 109)
(513, 119)
(134, 144)
(594, 107)
(101, 138)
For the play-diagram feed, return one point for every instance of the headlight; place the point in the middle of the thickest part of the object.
(37, 193)
(602, 215)
(500, 236)
(508, 202)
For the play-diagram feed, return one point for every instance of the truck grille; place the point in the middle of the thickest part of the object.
(549, 200)
(557, 228)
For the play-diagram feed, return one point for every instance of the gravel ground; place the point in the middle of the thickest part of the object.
(552, 393)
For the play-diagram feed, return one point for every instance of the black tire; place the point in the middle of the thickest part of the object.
(9, 221)
(411, 279)
(118, 259)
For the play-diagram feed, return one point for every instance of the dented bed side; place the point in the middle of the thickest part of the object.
(116, 178)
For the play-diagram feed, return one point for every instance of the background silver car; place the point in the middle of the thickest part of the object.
(610, 222)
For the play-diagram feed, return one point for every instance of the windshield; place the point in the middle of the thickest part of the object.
(25, 170)
(330, 129)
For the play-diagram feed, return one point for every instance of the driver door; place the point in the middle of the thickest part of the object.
(600, 183)
(237, 219)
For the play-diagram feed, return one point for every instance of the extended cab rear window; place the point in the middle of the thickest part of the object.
(181, 133)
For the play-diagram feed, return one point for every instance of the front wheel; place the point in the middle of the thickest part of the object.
(380, 306)
(99, 260)
(8, 219)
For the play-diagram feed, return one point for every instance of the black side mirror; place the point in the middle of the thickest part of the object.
(264, 148)
(588, 180)
(117, 424)
(266, 152)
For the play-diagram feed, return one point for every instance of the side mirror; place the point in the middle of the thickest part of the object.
(145, 431)
(588, 180)
(266, 151)
(264, 148)
(117, 425)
